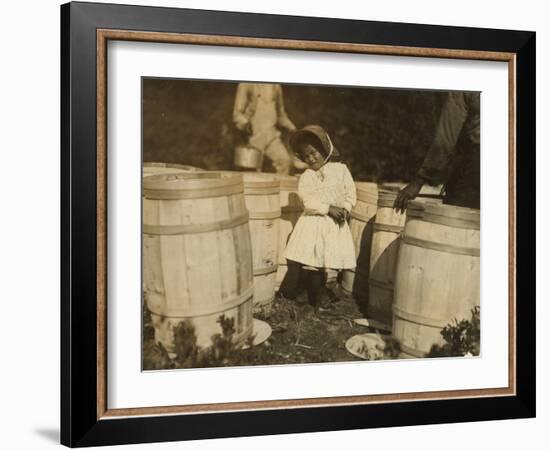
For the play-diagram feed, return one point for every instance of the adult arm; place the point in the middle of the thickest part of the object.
(240, 119)
(436, 165)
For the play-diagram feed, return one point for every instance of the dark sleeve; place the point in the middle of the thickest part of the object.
(435, 167)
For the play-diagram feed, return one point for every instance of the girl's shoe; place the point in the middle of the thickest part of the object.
(324, 304)
(316, 292)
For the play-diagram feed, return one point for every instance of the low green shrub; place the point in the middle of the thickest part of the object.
(461, 338)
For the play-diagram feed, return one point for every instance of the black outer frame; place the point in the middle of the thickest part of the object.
(79, 423)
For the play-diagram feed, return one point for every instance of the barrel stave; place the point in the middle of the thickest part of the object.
(383, 257)
(291, 210)
(361, 227)
(262, 198)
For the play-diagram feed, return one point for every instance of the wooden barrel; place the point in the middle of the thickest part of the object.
(158, 168)
(437, 278)
(197, 256)
(291, 210)
(386, 231)
(262, 197)
(361, 226)
(387, 228)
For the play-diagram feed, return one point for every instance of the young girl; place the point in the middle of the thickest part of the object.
(321, 238)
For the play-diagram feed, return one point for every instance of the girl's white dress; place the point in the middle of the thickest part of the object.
(317, 240)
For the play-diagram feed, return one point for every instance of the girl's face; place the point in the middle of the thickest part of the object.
(312, 157)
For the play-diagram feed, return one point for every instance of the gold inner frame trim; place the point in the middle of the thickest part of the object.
(103, 36)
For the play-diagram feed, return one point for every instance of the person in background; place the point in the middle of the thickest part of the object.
(454, 157)
(259, 112)
(321, 238)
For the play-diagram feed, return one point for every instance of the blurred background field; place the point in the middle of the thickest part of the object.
(383, 134)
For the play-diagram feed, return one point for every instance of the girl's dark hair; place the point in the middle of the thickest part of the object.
(309, 139)
(315, 136)
(312, 140)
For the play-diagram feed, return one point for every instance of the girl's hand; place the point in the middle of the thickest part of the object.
(346, 214)
(338, 214)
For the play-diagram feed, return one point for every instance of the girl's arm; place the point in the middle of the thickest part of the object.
(350, 193)
(310, 197)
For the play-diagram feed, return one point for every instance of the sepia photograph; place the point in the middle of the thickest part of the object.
(299, 224)
(271, 224)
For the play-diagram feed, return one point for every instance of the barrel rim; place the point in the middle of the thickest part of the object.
(168, 165)
(267, 181)
(289, 182)
(196, 228)
(390, 187)
(427, 191)
(192, 181)
(447, 211)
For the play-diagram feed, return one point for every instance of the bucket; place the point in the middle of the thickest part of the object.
(247, 157)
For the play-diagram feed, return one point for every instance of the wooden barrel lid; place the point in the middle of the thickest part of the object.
(436, 212)
(149, 168)
(426, 190)
(190, 185)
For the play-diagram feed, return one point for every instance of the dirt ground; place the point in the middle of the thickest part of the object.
(300, 334)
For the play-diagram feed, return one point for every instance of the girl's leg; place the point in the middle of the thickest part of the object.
(332, 296)
(316, 289)
(292, 282)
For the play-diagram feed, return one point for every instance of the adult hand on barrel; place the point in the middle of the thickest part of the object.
(409, 192)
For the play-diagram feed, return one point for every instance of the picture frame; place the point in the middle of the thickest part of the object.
(86, 418)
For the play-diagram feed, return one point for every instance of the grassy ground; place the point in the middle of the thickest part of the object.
(302, 335)
(299, 335)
